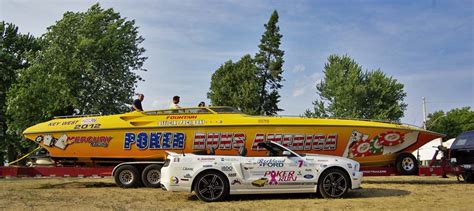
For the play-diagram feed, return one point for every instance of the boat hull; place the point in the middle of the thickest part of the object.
(371, 146)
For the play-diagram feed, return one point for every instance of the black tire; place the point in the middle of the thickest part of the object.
(127, 176)
(211, 186)
(151, 176)
(467, 176)
(333, 183)
(406, 164)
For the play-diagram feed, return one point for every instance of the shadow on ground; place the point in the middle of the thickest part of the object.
(362, 193)
(78, 185)
(376, 192)
(414, 182)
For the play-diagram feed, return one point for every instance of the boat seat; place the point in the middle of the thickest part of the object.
(242, 151)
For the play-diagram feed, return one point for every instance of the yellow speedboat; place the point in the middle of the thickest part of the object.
(138, 136)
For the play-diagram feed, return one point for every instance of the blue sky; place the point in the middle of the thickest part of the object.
(426, 45)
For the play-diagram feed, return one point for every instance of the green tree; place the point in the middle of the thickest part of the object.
(269, 61)
(451, 123)
(87, 64)
(347, 91)
(15, 50)
(236, 84)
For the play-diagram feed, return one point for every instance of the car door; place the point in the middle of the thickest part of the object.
(278, 172)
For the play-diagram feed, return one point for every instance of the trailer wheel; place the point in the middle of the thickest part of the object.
(406, 164)
(211, 186)
(127, 176)
(333, 183)
(151, 176)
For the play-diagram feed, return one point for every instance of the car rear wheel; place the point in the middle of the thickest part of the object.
(151, 176)
(127, 176)
(333, 183)
(211, 186)
(467, 176)
(406, 164)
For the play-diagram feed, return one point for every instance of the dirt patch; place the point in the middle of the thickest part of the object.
(89, 193)
(77, 184)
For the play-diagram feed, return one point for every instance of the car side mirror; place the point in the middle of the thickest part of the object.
(286, 153)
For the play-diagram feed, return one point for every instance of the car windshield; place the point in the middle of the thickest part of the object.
(275, 150)
(464, 140)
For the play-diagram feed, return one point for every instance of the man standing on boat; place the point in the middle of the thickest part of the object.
(137, 103)
(175, 102)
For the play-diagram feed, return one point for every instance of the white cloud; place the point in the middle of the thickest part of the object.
(298, 91)
(159, 104)
(298, 68)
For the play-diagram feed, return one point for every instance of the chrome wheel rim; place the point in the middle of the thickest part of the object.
(335, 184)
(153, 176)
(126, 177)
(408, 164)
(210, 187)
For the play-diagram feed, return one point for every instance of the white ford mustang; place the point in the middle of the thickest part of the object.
(213, 177)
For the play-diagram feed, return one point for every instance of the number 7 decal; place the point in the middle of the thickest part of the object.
(300, 163)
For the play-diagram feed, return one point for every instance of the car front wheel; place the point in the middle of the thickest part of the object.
(333, 183)
(211, 186)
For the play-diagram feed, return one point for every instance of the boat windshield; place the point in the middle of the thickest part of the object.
(225, 110)
(180, 111)
(197, 110)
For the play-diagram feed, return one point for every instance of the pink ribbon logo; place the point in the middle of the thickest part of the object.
(273, 180)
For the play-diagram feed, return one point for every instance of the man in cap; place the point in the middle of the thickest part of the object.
(175, 102)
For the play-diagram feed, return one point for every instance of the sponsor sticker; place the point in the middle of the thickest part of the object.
(308, 176)
(280, 176)
(63, 141)
(89, 120)
(236, 182)
(206, 159)
(226, 168)
(174, 180)
(271, 162)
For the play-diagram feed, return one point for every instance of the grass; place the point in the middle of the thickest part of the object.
(400, 192)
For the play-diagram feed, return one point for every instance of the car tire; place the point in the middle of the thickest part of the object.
(406, 164)
(151, 176)
(467, 176)
(211, 186)
(333, 183)
(127, 176)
